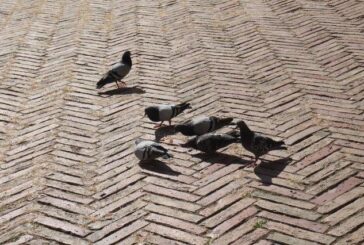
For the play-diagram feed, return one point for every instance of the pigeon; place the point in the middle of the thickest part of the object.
(117, 72)
(163, 113)
(211, 142)
(148, 150)
(257, 144)
(202, 125)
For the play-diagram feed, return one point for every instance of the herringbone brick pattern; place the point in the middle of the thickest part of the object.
(293, 69)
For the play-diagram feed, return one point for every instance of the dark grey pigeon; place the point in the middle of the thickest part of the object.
(161, 113)
(148, 150)
(211, 142)
(202, 125)
(117, 72)
(257, 144)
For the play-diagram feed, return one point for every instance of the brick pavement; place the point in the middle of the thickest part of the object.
(293, 69)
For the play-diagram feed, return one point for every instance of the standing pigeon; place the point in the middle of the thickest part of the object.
(148, 150)
(257, 144)
(211, 142)
(202, 125)
(163, 113)
(117, 72)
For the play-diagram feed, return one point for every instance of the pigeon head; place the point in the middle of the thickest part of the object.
(242, 126)
(184, 129)
(137, 141)
(152, 113)
(191, 143)
(126, 59)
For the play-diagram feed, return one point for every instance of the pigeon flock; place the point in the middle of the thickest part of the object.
(202, 128)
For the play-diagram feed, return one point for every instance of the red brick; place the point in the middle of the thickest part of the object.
(282, 191)
(252, 237)
(176, 234)
(337, 191)
(318, 155)
(302, 223)
(171, 193)
(299, 233)
(285, 209)
(238, 218)
(228, 212)
(183, 225)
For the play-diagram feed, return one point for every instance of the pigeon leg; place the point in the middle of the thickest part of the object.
(159, 125)
(170, 122)
(253, 164)
(124, 84)
(117, 84)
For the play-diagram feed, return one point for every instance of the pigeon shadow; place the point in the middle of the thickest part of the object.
(158, 167)
(267, 170)
(220, 157)
(125, 90)
(163, 132)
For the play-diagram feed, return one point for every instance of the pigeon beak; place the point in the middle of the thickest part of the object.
(144, 115)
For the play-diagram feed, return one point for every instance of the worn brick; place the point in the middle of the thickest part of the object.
(176, 234)
(189, 227)
(340, 189)
(299, 233)
(228, 212)
(285, 209)
(282, 238)
(303, 223)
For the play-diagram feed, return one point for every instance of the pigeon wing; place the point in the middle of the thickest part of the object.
(260, 145)
(120, 70)
(165, 112)
(201, 125)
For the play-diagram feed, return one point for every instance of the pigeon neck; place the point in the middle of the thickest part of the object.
(245, 132)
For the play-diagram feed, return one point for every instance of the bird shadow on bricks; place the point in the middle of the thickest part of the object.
(220, 157)
(158, 167)
(267, 170)
(125, 90)
(163, 132)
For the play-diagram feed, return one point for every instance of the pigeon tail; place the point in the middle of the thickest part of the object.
(279, 145)
(106, 79)
(224, 121)
(178, 109)
(184, 105)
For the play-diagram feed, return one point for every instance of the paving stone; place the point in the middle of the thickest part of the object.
(306, 224)
(300, 233)
(285, 209)
(279, 237)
